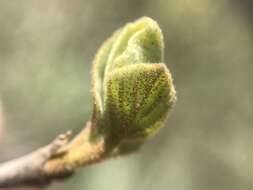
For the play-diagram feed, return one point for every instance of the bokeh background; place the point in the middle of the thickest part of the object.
(46, 50)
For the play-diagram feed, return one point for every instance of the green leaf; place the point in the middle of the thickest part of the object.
(138, 42)
(133, 90)
(138, 99)
(98, 72)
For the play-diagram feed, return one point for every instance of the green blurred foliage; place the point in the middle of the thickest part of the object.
(46, 50)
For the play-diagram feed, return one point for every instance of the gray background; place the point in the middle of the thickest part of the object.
(46, 50)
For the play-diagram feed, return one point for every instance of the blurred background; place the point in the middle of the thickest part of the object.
(46, 50)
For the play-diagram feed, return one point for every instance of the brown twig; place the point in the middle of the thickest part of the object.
(55, 161)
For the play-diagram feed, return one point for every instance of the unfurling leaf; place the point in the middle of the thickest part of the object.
(133, 90)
